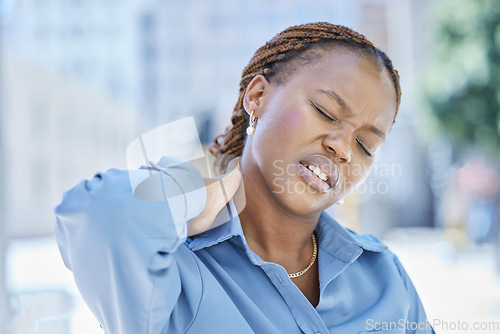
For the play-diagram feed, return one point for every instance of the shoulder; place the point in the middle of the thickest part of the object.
(333, 230)
(374, 253)
(381, 255)
(371, 243)
(368, 241)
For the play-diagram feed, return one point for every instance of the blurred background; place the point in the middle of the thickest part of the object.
(81, 79)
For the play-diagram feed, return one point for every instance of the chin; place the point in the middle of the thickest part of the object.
(307, 208)
(303, 204)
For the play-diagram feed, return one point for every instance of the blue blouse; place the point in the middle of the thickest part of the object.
(138, 276)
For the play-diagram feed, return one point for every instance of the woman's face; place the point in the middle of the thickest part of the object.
(330, 116)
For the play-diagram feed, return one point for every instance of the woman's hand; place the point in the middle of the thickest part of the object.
(220, 190)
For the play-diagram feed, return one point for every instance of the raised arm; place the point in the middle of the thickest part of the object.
(127, 255)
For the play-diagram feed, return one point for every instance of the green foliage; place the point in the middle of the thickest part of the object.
(463, 86)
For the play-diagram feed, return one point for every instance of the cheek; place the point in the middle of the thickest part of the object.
(285, 135)
(292, 121)
(274, 136)
(356, 174)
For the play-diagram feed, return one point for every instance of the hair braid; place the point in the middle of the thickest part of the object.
(269, 61)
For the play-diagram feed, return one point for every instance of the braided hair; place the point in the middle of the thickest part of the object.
(273, 59)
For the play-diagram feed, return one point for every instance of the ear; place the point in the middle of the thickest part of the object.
(254, 94)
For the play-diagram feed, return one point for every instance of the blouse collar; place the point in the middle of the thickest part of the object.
(337, 240)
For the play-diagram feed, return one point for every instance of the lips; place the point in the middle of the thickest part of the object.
(325, 165)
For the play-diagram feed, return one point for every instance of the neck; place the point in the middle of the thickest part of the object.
(273, 231)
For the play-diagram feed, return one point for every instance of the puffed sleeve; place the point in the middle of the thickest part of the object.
(417, 322)
(128, 255)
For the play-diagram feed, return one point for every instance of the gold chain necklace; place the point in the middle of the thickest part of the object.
(313, 259)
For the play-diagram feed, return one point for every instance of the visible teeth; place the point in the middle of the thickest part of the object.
(318, 172)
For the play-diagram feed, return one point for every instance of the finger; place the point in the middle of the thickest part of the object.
(232, 165)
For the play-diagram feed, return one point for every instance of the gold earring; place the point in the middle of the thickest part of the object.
(251, 127)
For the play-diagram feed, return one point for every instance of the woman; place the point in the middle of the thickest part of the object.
(316, 104)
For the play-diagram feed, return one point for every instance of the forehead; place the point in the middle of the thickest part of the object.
(328, 65)
(365, 85)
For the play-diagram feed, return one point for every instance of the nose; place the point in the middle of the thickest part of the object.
(339, 146)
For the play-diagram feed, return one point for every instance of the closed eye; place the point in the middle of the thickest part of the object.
(363, 148)
(324, 113)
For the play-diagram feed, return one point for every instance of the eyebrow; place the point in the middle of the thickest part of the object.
(340, 101)
(347, 109)
(376, 131)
